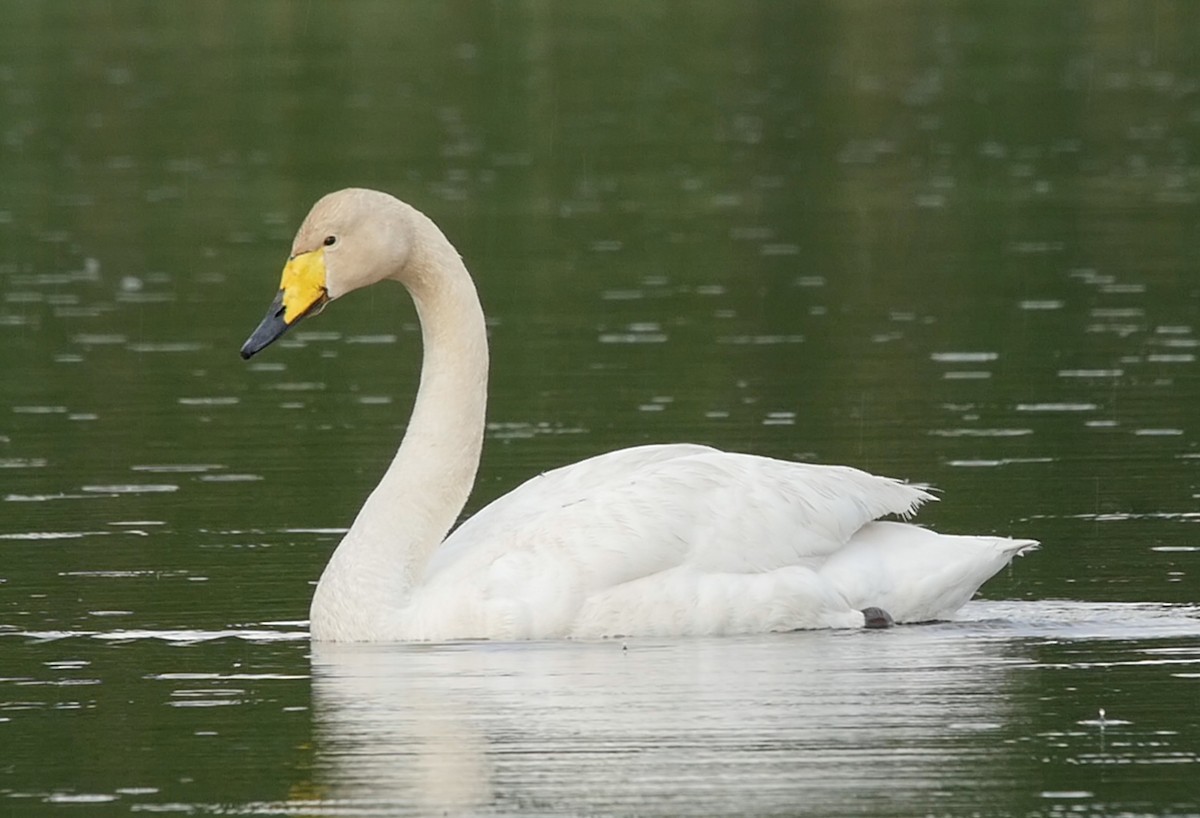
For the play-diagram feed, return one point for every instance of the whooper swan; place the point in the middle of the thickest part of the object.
(654, 540)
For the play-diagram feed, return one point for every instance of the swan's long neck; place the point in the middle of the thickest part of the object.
(427, 484)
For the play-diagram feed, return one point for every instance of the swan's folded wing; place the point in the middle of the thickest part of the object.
(750, 514)
(522, 510)
(636, 512)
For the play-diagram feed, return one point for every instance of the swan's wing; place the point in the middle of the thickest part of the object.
(682, 540)
(550, 491)
(635, 512)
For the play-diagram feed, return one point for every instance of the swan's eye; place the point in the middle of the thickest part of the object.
(330, 241)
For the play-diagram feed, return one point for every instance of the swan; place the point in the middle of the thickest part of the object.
(656, 540)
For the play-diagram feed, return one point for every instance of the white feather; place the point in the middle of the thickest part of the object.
(662, 540)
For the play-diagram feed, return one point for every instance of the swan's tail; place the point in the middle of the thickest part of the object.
(1017, 548)
(915, 574)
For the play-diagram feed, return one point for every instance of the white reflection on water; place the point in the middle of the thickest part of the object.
(729, 726)
(948, 719)
(884, 721)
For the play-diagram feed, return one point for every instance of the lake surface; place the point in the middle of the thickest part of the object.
(947, 243)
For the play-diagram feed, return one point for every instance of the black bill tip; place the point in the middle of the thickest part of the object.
(270, 328)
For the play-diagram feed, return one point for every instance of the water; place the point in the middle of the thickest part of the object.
(949, 244)
(999, 713)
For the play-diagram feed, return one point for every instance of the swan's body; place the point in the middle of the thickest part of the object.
(663, 540)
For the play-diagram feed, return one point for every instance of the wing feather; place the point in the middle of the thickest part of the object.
(635, 512)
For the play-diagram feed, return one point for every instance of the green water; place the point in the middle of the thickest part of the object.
(953, 243)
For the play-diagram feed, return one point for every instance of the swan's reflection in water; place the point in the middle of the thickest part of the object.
(829, 723)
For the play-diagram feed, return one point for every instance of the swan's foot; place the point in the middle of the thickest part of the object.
(877, 618)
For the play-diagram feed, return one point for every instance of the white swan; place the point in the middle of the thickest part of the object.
(653, 540)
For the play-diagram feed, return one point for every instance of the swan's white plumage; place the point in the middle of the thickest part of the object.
(663, 540)
(656, 539)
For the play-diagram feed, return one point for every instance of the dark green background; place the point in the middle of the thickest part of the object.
(769, 227)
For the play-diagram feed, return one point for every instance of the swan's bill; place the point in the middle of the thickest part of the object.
(301, 293)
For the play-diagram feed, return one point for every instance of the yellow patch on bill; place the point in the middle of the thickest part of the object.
(303, 283)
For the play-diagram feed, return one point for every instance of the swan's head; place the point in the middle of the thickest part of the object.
(350, 239)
